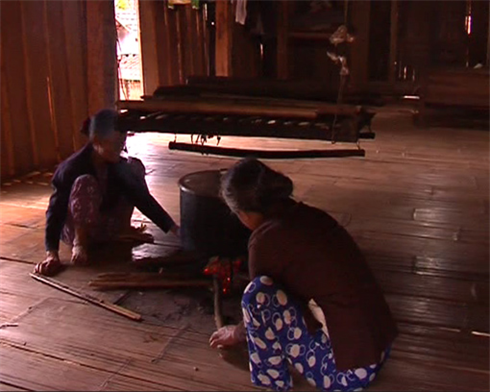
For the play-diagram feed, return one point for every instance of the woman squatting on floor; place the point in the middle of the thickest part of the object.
(312, 302)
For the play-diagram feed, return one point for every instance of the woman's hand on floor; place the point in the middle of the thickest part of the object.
(229, 335)
(50, 266)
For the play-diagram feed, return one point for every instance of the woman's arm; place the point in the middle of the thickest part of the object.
(56, 214)
(136, 190)
(55, 219)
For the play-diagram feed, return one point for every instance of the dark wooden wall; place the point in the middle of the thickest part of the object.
(397, 41)
(408, 40)
(58, 65)
(174, 43)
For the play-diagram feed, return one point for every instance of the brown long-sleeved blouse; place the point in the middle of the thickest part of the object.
(313, 257)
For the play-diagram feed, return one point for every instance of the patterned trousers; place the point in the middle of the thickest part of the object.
(277, 336)
(84, 208)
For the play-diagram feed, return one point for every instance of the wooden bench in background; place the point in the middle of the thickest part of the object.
(457, 93)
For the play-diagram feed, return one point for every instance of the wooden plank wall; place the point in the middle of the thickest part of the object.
(174, 43)
(58, 65)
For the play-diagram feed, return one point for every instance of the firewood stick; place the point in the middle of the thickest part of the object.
(86, 297)
(113, 275)
(142, 276)
(177, 257)
(149, 284)
(218, 314)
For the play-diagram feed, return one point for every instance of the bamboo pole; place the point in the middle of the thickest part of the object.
(265, 154)
(86, 297)
(393, 41)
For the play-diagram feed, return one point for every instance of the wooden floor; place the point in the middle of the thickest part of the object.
(417, 204)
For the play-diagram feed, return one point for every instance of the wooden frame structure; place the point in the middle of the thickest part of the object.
(197, 111)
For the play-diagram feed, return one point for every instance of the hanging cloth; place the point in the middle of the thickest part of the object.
(241, 12)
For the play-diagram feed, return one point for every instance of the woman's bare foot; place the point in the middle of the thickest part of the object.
(79, 255)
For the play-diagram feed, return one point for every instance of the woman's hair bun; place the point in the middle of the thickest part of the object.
(272, 185)
(250, 185)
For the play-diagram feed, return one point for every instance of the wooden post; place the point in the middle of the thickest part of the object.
(160, 45)
(488, 47)
(7, 153)
(359, 50)
(168, 39)
(201, 43)
(149, 48)
(224, 38)
(101, 55)
(189, 40)
(393, 42)
(282, 39)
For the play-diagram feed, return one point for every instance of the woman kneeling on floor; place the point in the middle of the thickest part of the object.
(312, 301)
(95, 192)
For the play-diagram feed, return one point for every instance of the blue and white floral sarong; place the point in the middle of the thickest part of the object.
(277, 336)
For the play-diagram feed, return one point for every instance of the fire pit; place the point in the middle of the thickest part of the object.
(214, 247)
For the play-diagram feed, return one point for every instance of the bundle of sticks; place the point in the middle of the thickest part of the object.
(145, 280)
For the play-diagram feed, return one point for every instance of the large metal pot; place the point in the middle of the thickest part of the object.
(208, 227)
